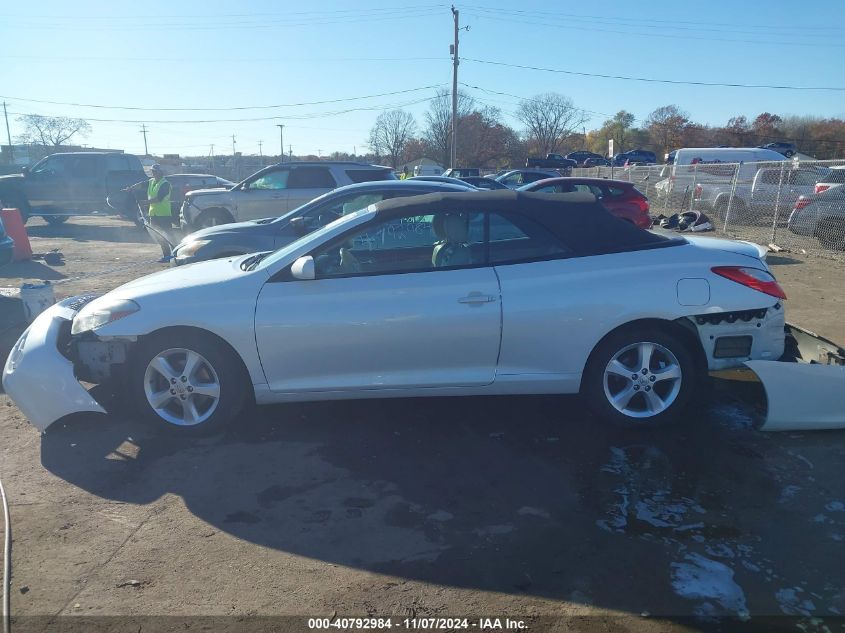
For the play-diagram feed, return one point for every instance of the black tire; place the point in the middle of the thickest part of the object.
(56, 220)
(213, 217)
(598, 392)
(831, 234)
(227, 369)
(789, 153)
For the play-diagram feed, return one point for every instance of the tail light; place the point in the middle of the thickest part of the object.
(802, 202)
(819, 188)
(697, 193)
(753, 278)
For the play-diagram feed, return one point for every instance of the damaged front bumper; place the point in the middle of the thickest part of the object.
(39, 379)
(805, 390)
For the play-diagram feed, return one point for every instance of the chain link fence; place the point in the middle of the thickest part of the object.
(797, 205)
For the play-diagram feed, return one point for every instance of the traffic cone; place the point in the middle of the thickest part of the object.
(17, 231)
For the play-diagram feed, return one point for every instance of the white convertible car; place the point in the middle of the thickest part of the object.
(435, 295)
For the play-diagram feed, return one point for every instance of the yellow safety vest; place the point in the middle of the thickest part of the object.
(158, 208)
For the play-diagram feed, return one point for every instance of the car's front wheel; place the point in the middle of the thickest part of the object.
(640, 377)
(187, 382)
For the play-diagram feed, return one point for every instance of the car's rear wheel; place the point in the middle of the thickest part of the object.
(640, 377)
(831, 234)
(187, 383)
(55, 220)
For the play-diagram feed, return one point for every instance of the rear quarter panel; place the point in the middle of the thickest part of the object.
(554, 313)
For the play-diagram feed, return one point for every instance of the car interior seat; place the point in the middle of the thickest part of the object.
(452, 248)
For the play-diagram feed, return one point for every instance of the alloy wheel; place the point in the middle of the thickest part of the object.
(182, 387)
(642, 380)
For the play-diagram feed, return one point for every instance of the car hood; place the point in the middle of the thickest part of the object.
(204, 192)
(182, 278)
(252, 226)
(749, 249)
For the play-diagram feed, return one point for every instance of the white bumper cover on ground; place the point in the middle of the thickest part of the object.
(39, 379)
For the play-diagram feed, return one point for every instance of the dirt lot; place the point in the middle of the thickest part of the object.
(520, 507)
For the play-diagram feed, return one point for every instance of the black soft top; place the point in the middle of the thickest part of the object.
(577, 220)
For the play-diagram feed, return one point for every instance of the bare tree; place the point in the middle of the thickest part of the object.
(391, 133)
(51, 130)
(548, 119)
(438, 119)
(666, 126)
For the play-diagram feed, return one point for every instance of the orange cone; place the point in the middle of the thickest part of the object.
(16, 230)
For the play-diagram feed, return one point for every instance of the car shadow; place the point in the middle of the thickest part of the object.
(87, 232)
(519, 495)
(29, 269)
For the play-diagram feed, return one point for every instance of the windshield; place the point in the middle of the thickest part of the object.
(314, 237)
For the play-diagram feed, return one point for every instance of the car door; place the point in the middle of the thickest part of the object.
(46, 183)
(307, 182)
(86, 177)
(385, 311)
(263, 195)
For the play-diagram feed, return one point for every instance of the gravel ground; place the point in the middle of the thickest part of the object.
(523, 507)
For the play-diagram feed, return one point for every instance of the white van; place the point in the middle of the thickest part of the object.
(693, 165)
(428, 170)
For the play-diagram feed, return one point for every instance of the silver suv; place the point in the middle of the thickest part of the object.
(273, 191)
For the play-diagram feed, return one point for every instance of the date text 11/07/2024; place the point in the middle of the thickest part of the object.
(417, 624)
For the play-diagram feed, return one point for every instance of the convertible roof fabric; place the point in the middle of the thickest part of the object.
(577, 219)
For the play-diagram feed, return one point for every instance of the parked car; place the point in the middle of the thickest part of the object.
(772, 191)
(482, 182)
(230, 240)
(181, 184)
(720, 165)
(461, 172)
(834, 177)
(821, 215)
(449, 180)
(517, 177)
(272, 191)
(489, 292)
(596, 162)
(7, 245)
(551, 161)
(620, 197)
(62, 185)
(787, 149)
(635, 156)
(581, 155)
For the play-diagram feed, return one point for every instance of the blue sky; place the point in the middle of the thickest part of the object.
(208, 54)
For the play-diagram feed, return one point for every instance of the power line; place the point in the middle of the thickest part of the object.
(653, 80)
(226, 109)
(316, 115)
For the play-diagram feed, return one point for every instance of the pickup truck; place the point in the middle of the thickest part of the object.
(74, 183)
(553, 161)
(772, 192)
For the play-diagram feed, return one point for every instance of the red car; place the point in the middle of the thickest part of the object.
(619, 197)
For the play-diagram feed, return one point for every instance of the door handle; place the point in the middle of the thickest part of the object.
(476, 298)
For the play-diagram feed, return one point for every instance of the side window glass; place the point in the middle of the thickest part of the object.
(272, 180)
(84, 167)
(411, 243)
(804, 178)
(311, 178)
(52, 166)
(517, 239)
(331, 211)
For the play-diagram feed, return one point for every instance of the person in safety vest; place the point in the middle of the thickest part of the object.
(160, 214)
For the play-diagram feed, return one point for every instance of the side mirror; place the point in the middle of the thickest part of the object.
(24, 170)
(298, 225)
(303, 268)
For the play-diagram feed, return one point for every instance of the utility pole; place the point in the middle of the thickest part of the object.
(260, 153)
(290, 152)
(9, 136)
(233, 147)
(281, 140)
(455, 62)
(320, 154)
(144, 132)
(212, 157)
